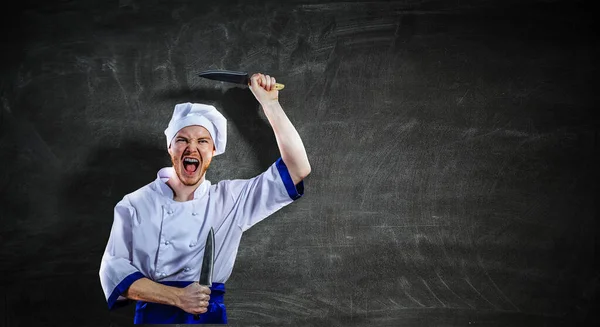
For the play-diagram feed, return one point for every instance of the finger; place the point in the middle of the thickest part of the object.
(263, 81)
(200, 311)
(267, 82)
(255, 79)
(273, 82)
(259, 80)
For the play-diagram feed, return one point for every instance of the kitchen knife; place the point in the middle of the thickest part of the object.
(232, 77)
(206, 272)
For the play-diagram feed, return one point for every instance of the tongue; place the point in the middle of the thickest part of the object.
(190, 168)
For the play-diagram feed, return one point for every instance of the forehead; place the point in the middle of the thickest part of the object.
(193, 131)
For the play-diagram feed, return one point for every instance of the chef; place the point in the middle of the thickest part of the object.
(156, 243)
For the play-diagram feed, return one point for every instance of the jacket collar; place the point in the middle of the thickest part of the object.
(163, 176)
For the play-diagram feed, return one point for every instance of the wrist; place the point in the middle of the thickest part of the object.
(270, 104)
(176, 294)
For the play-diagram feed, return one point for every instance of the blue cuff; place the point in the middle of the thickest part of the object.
(122, 287)
(294, 191)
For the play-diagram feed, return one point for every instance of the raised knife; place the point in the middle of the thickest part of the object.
(232, 77)
(208, 261)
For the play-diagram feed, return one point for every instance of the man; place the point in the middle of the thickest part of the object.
(156, 243)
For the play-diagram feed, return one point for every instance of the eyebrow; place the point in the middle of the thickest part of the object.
(186, 138)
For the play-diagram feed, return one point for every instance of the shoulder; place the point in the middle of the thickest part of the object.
(223, 186)
(145, 192)
(228, 189)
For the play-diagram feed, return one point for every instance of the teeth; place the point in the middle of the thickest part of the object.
(191, 160)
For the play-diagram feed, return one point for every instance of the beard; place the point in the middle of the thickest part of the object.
(190, 179)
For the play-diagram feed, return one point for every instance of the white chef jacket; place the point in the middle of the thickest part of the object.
(156, 237)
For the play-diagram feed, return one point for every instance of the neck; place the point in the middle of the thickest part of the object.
(181, 191)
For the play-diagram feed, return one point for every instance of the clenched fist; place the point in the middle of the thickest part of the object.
(263, 88)
(194, 298)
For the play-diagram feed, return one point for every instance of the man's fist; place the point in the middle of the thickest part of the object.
(194, 298)
(263, 88)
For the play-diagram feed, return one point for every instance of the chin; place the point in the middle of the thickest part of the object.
(190, 180)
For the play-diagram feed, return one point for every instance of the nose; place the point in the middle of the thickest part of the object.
(190, 150)
(192, 147)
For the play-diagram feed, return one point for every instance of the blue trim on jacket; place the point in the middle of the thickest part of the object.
(294, 191)
(121, 288)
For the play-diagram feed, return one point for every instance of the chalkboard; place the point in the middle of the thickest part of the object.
(452, 143)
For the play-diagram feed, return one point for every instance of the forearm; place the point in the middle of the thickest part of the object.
(147, 290)
(289, 142)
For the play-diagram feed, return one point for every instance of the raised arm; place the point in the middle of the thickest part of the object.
(288, 140)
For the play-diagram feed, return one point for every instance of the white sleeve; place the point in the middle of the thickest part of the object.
(258, 197)
(116, 271)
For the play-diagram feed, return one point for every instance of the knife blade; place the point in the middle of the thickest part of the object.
(231, 77)
(206, 272)
(208, 260)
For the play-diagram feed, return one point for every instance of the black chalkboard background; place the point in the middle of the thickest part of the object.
(452, 146)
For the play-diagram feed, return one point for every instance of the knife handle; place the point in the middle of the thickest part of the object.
(278, 86)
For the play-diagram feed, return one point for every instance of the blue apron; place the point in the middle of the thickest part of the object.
(154, 313)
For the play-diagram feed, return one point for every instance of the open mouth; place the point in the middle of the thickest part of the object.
(190, 164)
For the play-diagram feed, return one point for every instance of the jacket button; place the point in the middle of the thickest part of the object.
(192, 244)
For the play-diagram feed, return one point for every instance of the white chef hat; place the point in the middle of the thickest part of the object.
(207, 116)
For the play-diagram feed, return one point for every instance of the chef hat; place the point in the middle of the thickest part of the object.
(207, 116)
